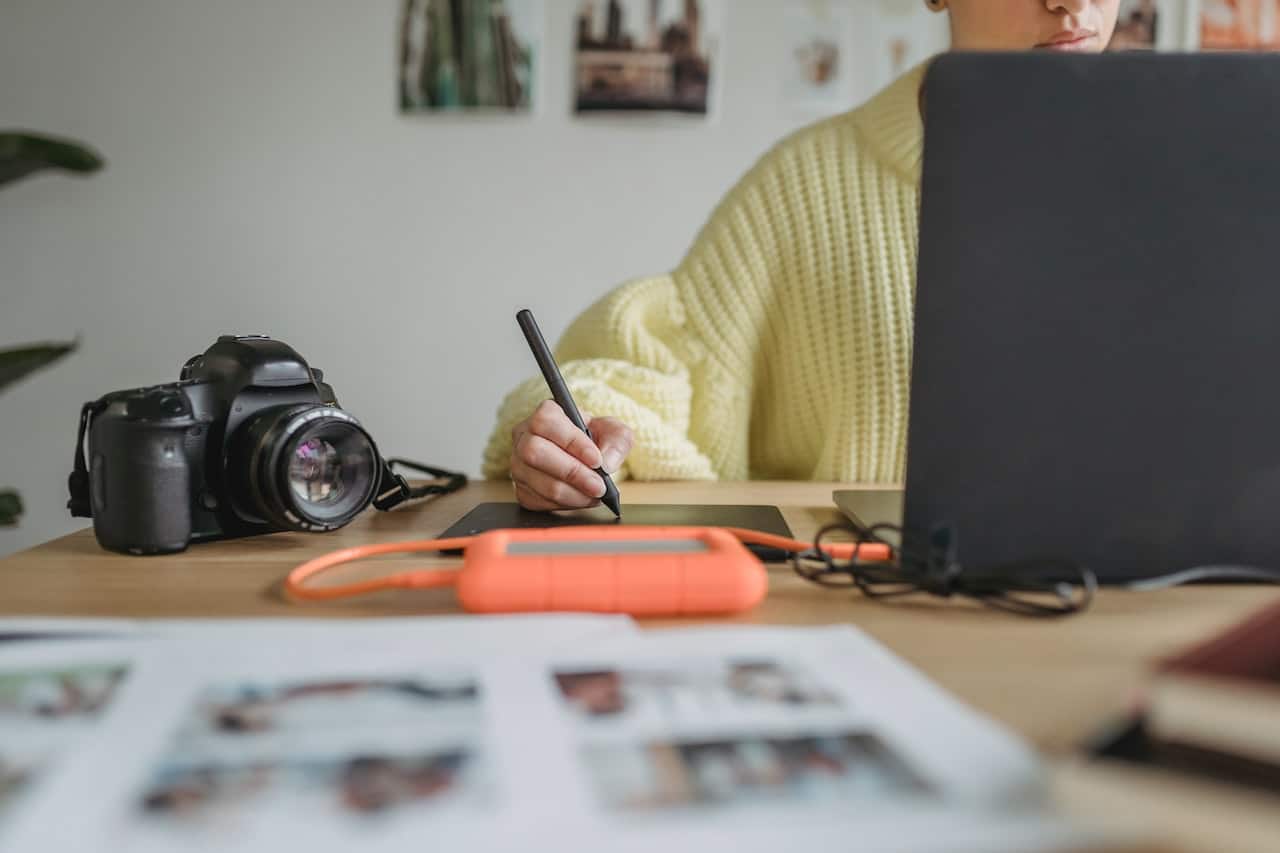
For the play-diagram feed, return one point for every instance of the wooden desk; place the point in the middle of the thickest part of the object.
(1055, 682)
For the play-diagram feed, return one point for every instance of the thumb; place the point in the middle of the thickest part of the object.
(615, 440)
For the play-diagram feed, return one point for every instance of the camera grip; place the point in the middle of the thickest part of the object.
(140, 485)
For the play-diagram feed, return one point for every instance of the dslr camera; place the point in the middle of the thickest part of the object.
(249, 440)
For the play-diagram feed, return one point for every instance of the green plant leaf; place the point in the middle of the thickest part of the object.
(10, 508)
(17, 362)
(23, 153)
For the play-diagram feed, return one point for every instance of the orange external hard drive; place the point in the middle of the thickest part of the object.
(644, 571)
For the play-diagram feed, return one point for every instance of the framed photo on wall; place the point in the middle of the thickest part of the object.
(1163, 25)
(1137, 25)
(646, 56)
(463, 55)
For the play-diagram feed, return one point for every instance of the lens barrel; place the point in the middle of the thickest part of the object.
(307, 467)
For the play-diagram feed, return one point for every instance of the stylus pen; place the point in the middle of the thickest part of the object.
(560, 392)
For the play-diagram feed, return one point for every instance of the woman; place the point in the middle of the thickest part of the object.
(780, 348)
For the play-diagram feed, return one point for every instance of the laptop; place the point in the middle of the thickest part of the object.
(1097, 323)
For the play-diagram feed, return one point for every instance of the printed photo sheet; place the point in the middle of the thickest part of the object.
(79, 713)
(765, 738)
(53, 700)
(732, 739)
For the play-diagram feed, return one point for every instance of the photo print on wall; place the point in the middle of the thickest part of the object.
(645, 56)
(1240, 24)
(902, 34)
(469, 55)
(817, 77)
(1136, 26)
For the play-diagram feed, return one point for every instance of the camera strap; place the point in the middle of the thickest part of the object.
(78, 482)
(394, 489)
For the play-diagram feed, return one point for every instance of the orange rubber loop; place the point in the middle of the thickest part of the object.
(295, 582)
(416, 579)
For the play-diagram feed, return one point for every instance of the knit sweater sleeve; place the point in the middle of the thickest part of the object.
(629, 356)
(674, 356)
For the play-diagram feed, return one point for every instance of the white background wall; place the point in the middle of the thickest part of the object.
(260, 179)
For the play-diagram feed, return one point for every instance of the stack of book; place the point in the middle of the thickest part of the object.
(1214, 709)
(1197, 765)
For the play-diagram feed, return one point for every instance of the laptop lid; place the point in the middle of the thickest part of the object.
(1097, 326)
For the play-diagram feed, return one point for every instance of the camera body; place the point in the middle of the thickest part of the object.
(249, 440)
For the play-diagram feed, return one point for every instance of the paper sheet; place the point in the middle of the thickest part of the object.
(542, 736)
(90, 699)
(498, 629)
(53, 698)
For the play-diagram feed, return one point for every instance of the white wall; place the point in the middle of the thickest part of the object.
(261, 180)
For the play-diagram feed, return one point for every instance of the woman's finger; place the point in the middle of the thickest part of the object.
(615, 440)
(550, 422)
(554, 474)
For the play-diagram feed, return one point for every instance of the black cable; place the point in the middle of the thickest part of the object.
(1207, 574)
(1019, 588)
(394, 489)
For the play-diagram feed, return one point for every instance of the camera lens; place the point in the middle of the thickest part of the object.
(307, 467)
(315, 472)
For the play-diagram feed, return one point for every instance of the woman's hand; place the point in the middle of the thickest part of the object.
(553, 462)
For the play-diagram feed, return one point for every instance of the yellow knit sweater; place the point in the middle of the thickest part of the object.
(780, 348)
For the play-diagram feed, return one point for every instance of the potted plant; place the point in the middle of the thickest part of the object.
(22, 154)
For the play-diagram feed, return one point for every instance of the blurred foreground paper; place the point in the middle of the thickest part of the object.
(592, 737)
